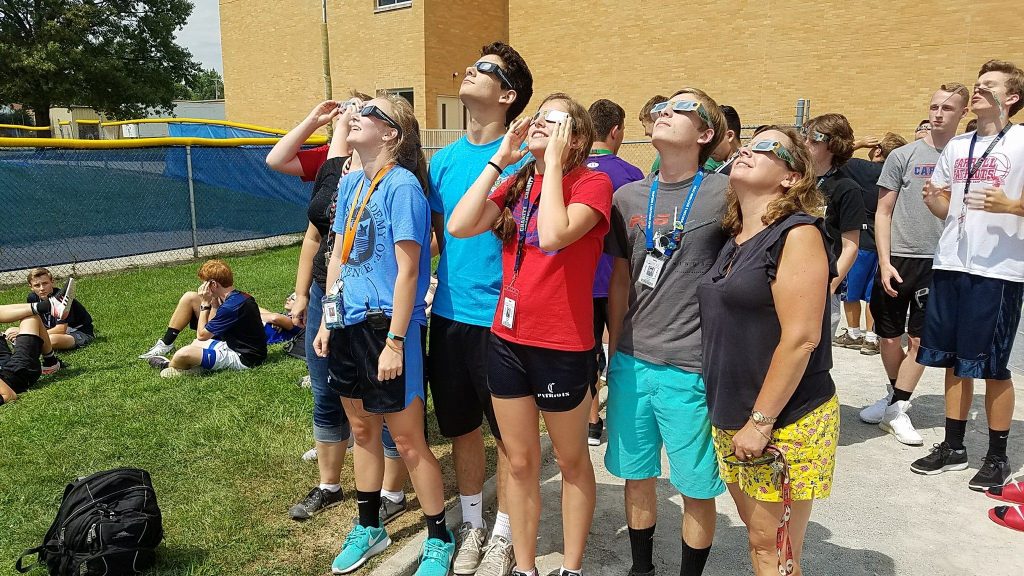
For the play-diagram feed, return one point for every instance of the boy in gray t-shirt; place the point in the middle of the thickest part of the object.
(906, 234)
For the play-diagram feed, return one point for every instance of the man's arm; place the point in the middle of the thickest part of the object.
(883, 240)
(618, 302)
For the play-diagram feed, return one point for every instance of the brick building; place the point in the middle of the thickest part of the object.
(876, 61)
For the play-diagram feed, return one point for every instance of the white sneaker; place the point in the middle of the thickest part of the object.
(897, 423)
(170, 372)
(158, 349)
(310, 455)
(873, 414)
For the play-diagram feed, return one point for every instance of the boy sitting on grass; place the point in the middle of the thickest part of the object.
(73, 331)
(20, 367)
(228, 325)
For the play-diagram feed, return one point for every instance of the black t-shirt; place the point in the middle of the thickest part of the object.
(844, 209)
(321, 213)
(78, 319)
(740, 329)
(238, 323)
(866, 174)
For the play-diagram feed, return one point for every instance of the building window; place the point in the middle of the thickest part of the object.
(404, 93)
(385, 5)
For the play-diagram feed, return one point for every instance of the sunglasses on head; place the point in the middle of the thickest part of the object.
(774, 147)
(492, 68)
(372, 111)
(681, 106)
(552, 116)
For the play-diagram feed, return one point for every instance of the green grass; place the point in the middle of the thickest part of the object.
(223, 448)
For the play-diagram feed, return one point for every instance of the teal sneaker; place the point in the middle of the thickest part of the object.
(437, 556)
(360, 545)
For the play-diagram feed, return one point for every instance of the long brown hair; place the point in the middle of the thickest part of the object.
(582, 138)
(803, 196)
(407, 150)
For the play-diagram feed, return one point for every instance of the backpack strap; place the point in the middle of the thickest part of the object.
(18, 566)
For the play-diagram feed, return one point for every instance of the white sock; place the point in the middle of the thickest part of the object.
(330, 487)
(871, 337)
(854, 332)
(502, 527)
(395, 497)
(472, 510)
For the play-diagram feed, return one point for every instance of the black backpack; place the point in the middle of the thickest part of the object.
(108, 524)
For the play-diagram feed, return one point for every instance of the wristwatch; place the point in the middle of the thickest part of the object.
(205, 307)
(760, 418)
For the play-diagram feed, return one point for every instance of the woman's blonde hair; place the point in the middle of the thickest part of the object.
(582, 138)
(803, 196)
(406, 150)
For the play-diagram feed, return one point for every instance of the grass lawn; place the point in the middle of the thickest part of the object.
(224, 449)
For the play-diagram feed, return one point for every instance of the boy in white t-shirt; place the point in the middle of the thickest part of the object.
(977, 288)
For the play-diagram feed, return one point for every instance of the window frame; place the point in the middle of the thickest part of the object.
(394, 5)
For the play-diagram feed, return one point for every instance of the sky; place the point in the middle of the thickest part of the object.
(201, 34)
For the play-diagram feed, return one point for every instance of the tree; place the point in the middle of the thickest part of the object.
(207, 85)
(116, 56)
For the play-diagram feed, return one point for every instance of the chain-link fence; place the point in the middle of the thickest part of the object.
(94, 210)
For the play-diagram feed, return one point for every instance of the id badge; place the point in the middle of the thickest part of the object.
(651, 270)
(509, 297)
(334, 317)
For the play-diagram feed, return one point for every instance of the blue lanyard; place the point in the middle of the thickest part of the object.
(652, 200)
(528, 209)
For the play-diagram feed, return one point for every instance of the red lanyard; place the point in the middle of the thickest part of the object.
(783, 543)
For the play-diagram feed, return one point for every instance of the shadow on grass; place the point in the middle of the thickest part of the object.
(180, 559)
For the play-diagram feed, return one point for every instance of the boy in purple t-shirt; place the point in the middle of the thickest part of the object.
(609, 123)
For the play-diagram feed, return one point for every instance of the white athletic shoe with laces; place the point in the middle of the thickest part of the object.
(873, 414)
(158, 349)
(897, 423)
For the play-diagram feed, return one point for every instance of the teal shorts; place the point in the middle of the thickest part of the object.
(650, 406)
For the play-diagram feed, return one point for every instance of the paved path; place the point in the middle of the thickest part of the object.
(882, 519)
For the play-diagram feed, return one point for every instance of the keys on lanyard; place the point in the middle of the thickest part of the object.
(654, 264)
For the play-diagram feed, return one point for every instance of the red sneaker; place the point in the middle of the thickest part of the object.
(1012, 493)
(1010, 516)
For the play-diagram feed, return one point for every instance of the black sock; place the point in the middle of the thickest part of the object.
(997, 442)
(170, 336)
(42, 307)
(693, 560)
(898, 395)
(436, 527)
(369, 508)
(955, 432)
(641, 544)
(892, 382)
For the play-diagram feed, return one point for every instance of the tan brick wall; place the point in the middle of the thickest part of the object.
(875, 61)
(456, 29)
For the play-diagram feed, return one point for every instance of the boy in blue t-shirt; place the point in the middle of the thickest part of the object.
(496, 90)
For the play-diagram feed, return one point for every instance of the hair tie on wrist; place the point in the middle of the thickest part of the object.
(495, 166)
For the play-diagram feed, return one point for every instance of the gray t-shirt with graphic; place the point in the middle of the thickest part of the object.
(662, 324)
(915, 230)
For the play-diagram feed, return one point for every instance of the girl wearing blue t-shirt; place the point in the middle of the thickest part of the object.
(378, 278)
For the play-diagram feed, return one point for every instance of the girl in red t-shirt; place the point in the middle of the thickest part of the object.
(552, 218)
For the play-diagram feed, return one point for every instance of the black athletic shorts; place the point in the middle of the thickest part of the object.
(457, 365)
(891, 314)
(600, 321)
(20, 368)
(558, 380)
(352, 367)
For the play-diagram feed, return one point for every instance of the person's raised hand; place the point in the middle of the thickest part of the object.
(559, 144)
(511, 149)
(324, 112)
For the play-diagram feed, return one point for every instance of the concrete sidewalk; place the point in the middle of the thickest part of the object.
(882, 519)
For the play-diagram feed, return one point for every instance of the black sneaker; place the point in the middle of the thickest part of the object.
(390, 510)
(995, 471)
(159, 362)
(52, 365)
(314, 503)
(941, 459)
(633, 572)
(594, 432)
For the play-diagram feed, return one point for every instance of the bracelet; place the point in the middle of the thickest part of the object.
(204, 307)
(495, 166)
(397, 349)
(763, 435)
(395, 337)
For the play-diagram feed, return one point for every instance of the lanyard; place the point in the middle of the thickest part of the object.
(825, 176)
(528, 209)
(352, 221)
(652, 199)
(972, 169)
(600, 152)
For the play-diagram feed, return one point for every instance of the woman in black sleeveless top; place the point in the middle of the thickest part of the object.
(765, 339)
